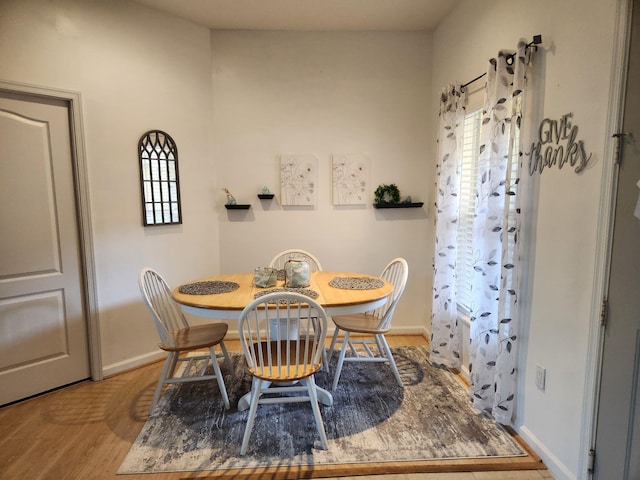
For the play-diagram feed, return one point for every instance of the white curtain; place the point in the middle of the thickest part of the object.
(445, 339)
(494, 323)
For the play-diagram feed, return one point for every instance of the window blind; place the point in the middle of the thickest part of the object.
(468, 176)
(468, 197)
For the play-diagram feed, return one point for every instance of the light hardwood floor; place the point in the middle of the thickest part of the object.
(84, 432)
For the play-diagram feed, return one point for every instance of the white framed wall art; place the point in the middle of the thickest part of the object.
(350, 179)
(298, 179)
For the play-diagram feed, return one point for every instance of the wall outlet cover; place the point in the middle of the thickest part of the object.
(541, 374)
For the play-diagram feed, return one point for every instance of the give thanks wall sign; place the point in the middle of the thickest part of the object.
(558, 145)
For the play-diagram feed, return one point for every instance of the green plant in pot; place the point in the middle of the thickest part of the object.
(387, 194)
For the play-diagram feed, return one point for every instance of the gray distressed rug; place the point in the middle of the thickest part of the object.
(372, 419)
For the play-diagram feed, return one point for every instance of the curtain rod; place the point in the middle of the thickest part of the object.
(537, 40)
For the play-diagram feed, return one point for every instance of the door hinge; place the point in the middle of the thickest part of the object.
(604, 310)
(618, 149)
(592, 461)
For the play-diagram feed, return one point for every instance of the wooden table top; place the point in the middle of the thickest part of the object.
(328, 296)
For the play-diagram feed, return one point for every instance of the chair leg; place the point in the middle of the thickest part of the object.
(343, 351)
(325, 361)
(392, 362)
(218, 372)
(255, 397)
(175, 356)
(227, 359)
(380, 345)
(163, 376)
(313, 399)
(333, 341)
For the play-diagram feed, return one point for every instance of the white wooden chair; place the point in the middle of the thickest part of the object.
(375, 323)
(177, 337)
(280, 259)
(286, 353)
(314, 266)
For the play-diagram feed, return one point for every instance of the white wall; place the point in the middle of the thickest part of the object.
(136, 70)
(571, 74)
(322, 94)
(234, 101)
(233, 104)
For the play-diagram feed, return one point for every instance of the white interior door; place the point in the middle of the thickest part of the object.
(618, 425)
(43, 329)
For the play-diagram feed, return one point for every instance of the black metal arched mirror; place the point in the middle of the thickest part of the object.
(159, 179)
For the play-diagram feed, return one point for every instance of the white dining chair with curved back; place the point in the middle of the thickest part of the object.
(177, 337)
(375, 323)
(282, 357)
(283, 257)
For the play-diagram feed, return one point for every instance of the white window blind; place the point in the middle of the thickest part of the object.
(468, 175)
(468, 179)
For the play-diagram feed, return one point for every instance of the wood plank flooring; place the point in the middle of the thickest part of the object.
(84, 432)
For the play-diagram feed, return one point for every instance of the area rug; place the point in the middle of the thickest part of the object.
(372, 420)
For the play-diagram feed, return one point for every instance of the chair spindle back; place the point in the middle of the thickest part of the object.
(282, 258)
(166, 313)
(396, 273)
(282, 336)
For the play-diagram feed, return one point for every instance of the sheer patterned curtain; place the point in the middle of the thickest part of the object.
(445, 340)
(493, 319)
(494, 323)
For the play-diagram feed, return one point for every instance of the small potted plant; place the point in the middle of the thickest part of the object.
(387, 194)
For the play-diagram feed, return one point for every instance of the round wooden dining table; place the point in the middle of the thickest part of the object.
(227, 305)
(335, 301)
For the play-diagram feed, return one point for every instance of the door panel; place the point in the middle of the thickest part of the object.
(36, 330)
(618, 424)
(27, 196)
(43, 333)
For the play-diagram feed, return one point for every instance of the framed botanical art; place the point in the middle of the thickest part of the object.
(350, 179)
(298, 179)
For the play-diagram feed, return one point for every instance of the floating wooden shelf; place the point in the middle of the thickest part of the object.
(398, 205)
(238, 207)
(265, 196)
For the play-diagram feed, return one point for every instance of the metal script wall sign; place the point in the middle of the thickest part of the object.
(557, 145)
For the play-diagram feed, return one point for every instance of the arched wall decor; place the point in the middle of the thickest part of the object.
(159, 179)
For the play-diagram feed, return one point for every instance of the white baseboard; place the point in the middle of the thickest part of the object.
(134, 362)
(413, 330)
(555, 466)
(145, 359)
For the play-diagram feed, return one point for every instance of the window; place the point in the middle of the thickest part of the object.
(468, 174)
(466, 215)
(159, 180)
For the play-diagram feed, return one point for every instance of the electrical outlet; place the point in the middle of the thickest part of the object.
(541, 374)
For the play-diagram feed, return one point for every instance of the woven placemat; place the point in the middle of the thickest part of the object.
(356, 283)
(208, 287)
(304, 291)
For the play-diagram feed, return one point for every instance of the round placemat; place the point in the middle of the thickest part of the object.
(208, 287)
(304, 291)
(356, 283)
